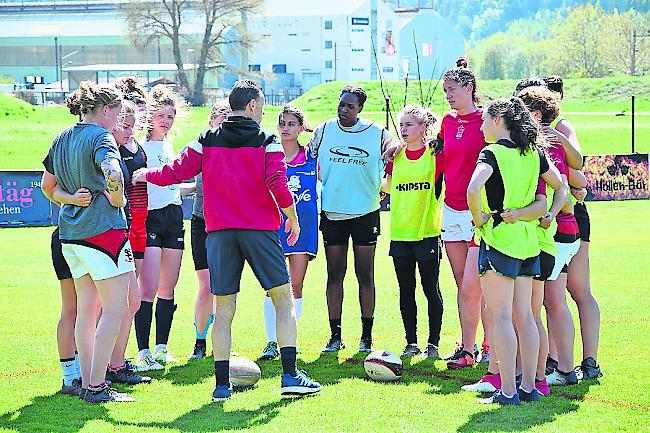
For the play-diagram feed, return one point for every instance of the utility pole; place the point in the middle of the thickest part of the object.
(334, 61)
(56, 56)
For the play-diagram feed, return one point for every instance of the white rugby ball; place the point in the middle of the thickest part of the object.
(383, 366)
(244, 372)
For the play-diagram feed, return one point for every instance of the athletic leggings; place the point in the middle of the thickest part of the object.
(429, 271)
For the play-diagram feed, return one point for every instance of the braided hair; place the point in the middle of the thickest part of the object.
(132, 90)
(359, 92)
(90, 97)
(528, 82)
(555, 83)
(523, 127)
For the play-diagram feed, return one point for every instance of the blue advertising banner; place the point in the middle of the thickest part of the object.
(22, 202)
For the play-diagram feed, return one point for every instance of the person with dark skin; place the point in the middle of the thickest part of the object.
(349, 151)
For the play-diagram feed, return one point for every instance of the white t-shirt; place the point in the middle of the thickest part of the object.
(160, 153)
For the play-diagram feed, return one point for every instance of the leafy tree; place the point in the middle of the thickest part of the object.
(582, 42)
(622, 42)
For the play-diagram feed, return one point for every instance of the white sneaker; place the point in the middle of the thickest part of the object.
(147, 363)
(557, 378)
(162, 355)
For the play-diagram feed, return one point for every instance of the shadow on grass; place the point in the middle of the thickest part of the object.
(53, 413)
(213, 417)
(195, 371)
(562, 401)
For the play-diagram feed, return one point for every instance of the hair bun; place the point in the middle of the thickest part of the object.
(462, 62)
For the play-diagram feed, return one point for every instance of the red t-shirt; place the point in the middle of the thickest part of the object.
(566, 222)
(416, 154)
(463, 141)
(541, 187)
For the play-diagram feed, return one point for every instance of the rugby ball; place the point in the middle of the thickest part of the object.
(383, 366)
(244, 372)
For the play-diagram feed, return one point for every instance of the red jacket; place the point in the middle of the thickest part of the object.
(244, 176)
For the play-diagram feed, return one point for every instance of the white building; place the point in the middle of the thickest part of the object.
(309, 42)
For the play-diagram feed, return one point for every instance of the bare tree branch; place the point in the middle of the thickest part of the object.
(149, 21)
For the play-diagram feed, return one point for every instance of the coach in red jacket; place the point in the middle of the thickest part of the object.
(244, 184)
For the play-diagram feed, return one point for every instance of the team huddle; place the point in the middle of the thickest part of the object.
(498, 188)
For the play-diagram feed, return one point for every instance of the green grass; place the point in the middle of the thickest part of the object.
(26, 132)
(428, 398)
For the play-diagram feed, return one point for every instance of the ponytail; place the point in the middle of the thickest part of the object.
(523, 127)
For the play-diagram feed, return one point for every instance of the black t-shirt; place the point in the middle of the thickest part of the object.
(494, 188)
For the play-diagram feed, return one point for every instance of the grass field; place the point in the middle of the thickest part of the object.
(428, 398)
(26, 132)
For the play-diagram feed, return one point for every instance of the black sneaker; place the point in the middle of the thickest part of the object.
(456, 354)
(334, 345)
(105, 395)
(126, 376)
(551, 365)
(588, 370)
(365, 344)
(411, 350)
(199, 352)
(528, 396)
(73, 389)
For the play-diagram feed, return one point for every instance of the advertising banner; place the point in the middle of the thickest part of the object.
(22, 202)
(617, 177)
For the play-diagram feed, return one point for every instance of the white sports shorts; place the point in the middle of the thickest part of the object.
(456, 225)
(103, 256)
(565, 253)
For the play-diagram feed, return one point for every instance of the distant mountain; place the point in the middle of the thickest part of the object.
(477, 19)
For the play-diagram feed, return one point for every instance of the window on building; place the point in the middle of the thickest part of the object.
(358, 50)
(328, 24)
(328, 64)
(357, 30)
(254, 68)
(358, 69)
(293, 34)
(279, 69)
(328, 45)
(387, 69)
(306, 50)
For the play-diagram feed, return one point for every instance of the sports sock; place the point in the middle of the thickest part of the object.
(115, 368)
(164, 315)
(269, 319)
(69, 371)
(366, 327)
(143, 324)
(77, 367)
(222, 372)
(335, 327)
(288, 355)
(204, 333)
(201, 342)
(297, 303)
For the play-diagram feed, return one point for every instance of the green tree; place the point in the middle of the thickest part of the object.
(580, 47)
(629, 42)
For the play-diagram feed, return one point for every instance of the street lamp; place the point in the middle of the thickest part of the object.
(191, 51)
(62, 65)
